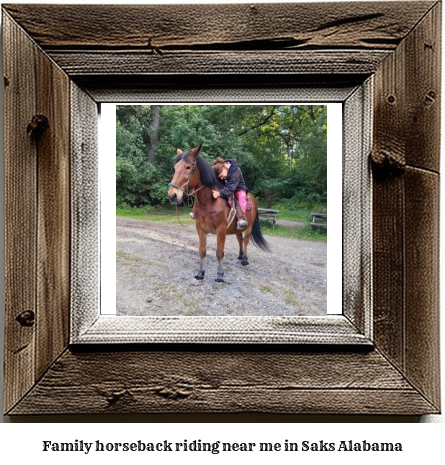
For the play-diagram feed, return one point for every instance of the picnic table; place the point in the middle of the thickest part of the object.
(319, 219)
(268, 214)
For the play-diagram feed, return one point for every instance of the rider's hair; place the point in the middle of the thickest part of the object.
(218, 165)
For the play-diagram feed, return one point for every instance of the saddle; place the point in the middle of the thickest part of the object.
(235, 209)
(232, 200)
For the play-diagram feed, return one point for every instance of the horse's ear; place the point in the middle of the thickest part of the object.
(195, 152)
(179, 152)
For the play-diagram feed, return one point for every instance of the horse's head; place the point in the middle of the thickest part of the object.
(186, 175)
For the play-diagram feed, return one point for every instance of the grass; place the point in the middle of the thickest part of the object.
(291, 299)
(266, 289)
(305, 233)
(294, 212)
(131, 258)
(299, 214)
(149, 214)
(302, 215)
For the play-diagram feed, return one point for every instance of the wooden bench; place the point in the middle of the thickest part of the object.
(319, 219)
(268, 214)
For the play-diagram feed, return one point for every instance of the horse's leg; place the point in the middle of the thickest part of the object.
(239, 236)
(246, 239)
(220, 243)
(202, 251)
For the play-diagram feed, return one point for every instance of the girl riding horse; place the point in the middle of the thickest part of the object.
(194, 176)
(229, 172)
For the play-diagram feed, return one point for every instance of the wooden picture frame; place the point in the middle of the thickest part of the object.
(56, 72)
(93, 323)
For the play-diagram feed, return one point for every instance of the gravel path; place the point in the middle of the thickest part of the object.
(156, 263)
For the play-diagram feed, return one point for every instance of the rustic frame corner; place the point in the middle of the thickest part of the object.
(54, 79)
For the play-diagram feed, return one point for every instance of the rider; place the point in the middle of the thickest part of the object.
(230, 173)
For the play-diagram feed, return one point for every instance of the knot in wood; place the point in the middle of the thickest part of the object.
(26, 318)
(37, 126)
(387, 162)
(115, 396)
(430, 97)
(173, 393)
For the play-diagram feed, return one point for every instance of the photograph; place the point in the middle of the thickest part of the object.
(221, 210)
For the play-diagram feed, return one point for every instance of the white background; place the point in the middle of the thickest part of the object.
(107, 152)
(21, 439)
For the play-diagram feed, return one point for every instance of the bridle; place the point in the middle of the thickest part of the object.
(184, 187)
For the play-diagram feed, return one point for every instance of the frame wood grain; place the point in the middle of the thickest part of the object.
(76, 57)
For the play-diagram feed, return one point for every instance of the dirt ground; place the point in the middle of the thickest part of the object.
(156, 263)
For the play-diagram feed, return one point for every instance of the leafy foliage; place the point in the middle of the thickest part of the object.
(280, 148)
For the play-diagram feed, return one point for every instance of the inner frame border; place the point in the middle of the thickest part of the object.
(354, 326)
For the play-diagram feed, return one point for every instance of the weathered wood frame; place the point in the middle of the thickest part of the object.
(76, 56)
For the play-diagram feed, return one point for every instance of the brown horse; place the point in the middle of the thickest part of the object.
(194, 176)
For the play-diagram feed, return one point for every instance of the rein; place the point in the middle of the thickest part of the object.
(177, 214)
(190, 204)
(232, 212)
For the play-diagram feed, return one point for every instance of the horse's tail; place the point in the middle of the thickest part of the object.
(257, 237)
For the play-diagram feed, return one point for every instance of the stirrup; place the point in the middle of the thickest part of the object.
(241, 224)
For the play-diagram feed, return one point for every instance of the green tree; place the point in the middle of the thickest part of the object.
(280, 148)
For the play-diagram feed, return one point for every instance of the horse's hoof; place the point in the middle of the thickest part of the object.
(244, 263)
(219, 280)
(240, 257)
(199, 277)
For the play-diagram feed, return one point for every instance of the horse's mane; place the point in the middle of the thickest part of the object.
(208, 176)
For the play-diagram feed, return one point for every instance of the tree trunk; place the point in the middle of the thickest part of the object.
(154, 131)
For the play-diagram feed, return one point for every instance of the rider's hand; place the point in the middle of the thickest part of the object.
(215, 194)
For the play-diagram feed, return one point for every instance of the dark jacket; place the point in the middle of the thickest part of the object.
(234, 181)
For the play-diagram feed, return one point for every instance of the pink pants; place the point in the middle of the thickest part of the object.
(241, 197)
